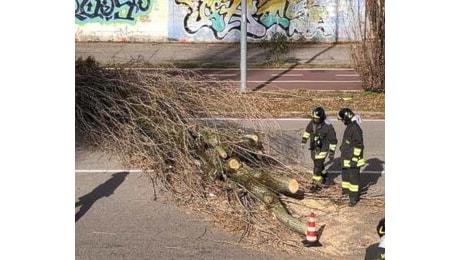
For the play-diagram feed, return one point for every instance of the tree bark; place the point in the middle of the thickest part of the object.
(265, 188)
(287, 219)
(282, 184)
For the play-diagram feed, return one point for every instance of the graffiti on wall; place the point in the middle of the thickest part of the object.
(298, 18)
(111, 11)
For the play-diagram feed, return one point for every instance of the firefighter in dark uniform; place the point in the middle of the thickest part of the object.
(323, 142)
(351, 151)
(377, 251)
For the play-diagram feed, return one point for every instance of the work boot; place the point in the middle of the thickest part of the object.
(328, 181)
(323, 179)
(315, 188)
(352, 203)
(353, 200)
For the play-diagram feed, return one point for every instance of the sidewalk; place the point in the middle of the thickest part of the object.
(306, 55)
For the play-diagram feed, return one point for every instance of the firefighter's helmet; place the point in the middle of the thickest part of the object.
(318, 115)
(381, 227)
(345, 115)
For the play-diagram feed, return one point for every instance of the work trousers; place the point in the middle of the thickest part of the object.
(350, 182)
(318, 168)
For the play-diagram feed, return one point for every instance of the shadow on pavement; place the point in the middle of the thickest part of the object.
(321, 52)
(369, 175)
(333, 168)
(104, 190)
(285, 147)
(367, 178)
(270, 80)
(293, 66)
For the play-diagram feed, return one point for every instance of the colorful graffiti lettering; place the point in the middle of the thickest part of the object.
(110, 11)
(298, 18)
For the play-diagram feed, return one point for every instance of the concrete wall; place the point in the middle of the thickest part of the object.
(215, 20)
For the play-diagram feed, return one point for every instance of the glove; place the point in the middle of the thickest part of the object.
(354, 164)
(303, 143)
(331, 155)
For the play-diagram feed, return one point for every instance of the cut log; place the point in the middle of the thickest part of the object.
(282, 184)
(266, 194)
(276, 183)
(221, 151)
(234, 164)
(287, 219)
(231, 165)
(241, 163)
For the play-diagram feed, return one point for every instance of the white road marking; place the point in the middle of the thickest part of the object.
(347, 75)
(365, 172)
(382, 173)
(108, 171)
(286, 75)
(221, 75)
(104, 233)
(283, 119)
(286, 69)
(286, 81)
(237, 69)
(141, 171)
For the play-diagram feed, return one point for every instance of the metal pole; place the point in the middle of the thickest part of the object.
(243, 46)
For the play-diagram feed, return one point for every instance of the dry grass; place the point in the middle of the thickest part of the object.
(299, 103)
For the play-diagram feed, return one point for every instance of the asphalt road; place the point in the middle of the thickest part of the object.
(289, 78)
(282, 79)
(118, 218)
(323, 55)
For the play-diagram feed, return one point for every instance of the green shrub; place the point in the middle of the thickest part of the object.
(275, 47)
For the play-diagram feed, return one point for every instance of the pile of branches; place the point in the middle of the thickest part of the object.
(164, 122)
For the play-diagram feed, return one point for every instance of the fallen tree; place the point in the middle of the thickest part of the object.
(155, 121)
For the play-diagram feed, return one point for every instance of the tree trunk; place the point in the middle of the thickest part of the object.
(282, 184)
(276, 183)
(265, 188)
(287, 219)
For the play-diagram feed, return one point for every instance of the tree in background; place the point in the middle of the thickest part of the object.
(368, 54)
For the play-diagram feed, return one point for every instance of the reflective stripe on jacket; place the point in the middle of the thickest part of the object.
(327, 134)
(352, 147)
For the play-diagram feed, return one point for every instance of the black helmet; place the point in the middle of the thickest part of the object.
(345, 115)
(381, 227)
(318, 115)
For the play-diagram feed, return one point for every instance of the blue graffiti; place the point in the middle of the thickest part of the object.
(109, 11)
(217, 22)
(268, 20)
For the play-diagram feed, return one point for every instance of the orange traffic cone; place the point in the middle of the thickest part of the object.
(311, 236)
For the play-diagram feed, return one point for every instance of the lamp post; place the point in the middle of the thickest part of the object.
(243, 46)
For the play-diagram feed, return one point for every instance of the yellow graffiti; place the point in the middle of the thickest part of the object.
(316, 12)
(209, 3)
(272, 7)
(231, 8)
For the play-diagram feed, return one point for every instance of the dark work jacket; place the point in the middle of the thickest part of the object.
(374, 252)
(325, 131)
(352, 138)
